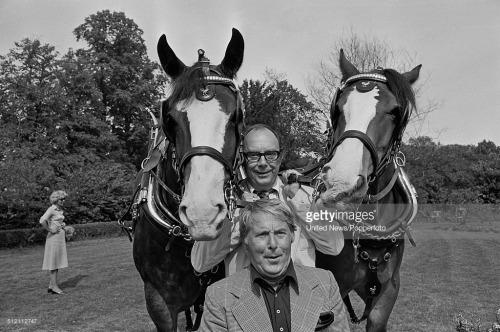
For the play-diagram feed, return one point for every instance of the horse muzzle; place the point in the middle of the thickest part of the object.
(343, 192)
(204, 223)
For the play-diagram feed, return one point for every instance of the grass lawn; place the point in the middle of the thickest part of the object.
(104, 290)
(448, 272)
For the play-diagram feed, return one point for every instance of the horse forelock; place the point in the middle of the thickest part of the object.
(184, 86)
(402, 90)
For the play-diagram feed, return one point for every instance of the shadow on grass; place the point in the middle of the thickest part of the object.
(73, 282)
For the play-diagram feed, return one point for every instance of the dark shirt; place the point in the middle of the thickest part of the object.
(277, 301)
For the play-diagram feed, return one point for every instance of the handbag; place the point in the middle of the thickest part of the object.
(69, 232)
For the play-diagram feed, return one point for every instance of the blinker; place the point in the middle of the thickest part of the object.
(365, 86)
(206, 92)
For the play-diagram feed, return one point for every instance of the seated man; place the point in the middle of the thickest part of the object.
(273, 293)
(262, 162)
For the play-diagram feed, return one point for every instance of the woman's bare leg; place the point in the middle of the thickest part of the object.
(53, 281)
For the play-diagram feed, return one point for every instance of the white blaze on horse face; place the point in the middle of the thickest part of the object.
(203, 207)
(347, 165)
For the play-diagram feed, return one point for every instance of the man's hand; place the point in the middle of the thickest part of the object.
(249, 197)
(291, 186)
(286, 175)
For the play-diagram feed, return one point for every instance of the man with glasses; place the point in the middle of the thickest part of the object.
(262, 162)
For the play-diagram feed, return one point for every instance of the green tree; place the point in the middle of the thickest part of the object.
(442, 174)
(50, 134)
(487, 172)
(128, 82)
(31, 99)
(86, 131)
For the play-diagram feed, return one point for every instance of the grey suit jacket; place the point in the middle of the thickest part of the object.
(235, 304)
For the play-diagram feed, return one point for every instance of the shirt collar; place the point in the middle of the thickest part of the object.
(277, 185)
(289, 274)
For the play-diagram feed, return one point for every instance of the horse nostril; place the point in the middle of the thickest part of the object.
(182, 210)
(222, 209)
(325, 169)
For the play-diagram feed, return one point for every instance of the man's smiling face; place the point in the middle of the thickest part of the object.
(262, 174)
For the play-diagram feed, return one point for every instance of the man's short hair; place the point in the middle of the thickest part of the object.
(260, 127)
(271, 207)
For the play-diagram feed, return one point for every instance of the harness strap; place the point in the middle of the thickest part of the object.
(372, 287)
(121, 220)
(172, 233)
(374, 198)
(365, 140)
(177, 198)
(207, 151)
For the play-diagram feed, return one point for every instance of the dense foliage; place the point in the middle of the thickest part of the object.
(77, 122)
(454, 174)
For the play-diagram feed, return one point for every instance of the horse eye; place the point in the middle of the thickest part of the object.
(232, 118)
(169, 125)
(395, 112)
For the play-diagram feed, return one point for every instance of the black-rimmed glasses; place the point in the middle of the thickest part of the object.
(255, 156)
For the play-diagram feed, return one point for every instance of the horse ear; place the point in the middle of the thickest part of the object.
(172, 66)
(234, 55)
(412, 75)
(346, 67)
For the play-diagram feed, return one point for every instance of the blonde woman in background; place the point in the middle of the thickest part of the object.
(55, 256)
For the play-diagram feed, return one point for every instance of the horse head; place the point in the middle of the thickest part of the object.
(203, 118)
(369, 114)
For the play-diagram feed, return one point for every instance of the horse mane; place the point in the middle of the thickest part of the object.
(401, 89)
(184, 86)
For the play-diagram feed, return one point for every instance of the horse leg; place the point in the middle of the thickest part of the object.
(189, 321)
(379, 316)
(350, 309)
(198, 309)
(382, 308)
(158, 310)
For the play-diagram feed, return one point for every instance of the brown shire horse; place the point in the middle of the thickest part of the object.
(364, 180)
(186, 184)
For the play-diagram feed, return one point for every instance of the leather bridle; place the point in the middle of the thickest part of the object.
(160, 146)
(366, 82)
(212, 77)
(379, 166)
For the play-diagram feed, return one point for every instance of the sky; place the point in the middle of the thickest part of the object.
(456, 41)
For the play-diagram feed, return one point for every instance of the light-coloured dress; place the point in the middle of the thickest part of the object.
(55, 256)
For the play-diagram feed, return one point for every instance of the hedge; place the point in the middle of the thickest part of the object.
(36, 236)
